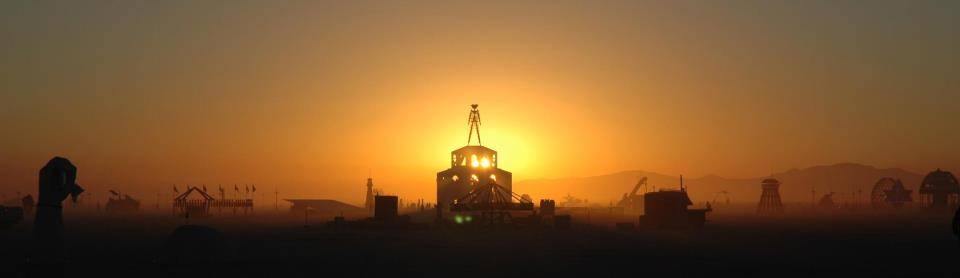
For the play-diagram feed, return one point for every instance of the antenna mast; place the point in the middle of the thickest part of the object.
(474, 124)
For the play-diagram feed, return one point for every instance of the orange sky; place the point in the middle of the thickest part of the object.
(313, 96)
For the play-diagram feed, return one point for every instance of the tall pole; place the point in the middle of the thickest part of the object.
(276, 198)
(813, 197)
(859, 197)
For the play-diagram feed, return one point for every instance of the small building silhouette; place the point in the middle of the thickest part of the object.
(196, 202)
(668, 209)
(386, 208)
(193, 202)
(548, 208)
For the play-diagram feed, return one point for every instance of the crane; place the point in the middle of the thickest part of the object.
(631, 200)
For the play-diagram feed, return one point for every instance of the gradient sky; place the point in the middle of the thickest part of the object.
(312, 96)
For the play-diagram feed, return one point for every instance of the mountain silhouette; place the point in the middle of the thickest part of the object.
(842, 178)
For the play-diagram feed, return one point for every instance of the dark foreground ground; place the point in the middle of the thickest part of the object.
(848, 244)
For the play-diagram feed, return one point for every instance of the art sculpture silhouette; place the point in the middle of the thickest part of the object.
(57, 181)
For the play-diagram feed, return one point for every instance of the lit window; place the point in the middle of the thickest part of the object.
(485, 162)
(474, 161)
(455, 178)
(493, 177)
(474, 178)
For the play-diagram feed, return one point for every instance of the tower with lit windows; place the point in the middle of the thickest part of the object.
(470, 166)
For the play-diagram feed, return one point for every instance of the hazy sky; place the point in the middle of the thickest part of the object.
(312, 96)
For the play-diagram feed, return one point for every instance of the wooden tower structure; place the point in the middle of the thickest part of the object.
(471, 165)
(770, 203)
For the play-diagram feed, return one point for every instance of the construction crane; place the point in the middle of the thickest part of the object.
(631, 201)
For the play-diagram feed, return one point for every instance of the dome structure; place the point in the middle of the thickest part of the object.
(939, 189)
(940, 181)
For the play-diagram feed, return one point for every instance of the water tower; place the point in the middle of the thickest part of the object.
(770, 203)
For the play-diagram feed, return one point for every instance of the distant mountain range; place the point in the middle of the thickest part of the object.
(842, 178)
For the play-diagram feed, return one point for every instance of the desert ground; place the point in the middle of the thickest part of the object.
(735, 241)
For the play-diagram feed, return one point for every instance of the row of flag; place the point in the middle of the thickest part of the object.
(236, 188)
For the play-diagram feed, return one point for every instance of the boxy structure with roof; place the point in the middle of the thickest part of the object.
(668, 209)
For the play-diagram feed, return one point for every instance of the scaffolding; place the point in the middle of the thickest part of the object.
(493, 201)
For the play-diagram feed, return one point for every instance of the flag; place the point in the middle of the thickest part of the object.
(254, 188)
(235, 188)
(248, 189)
(175, 189)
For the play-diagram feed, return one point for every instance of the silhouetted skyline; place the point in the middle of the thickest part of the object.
(322, 138)
(315, 96)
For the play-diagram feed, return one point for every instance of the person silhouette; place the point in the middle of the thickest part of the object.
(57, 181)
